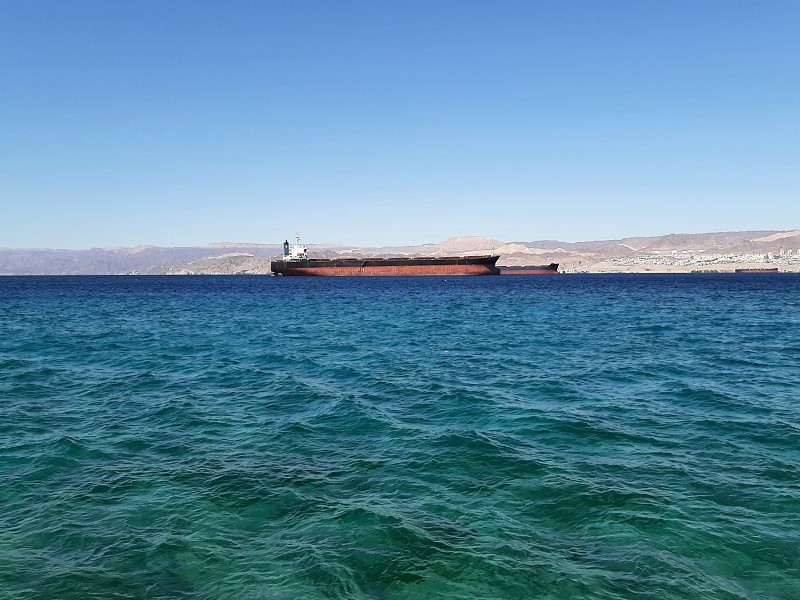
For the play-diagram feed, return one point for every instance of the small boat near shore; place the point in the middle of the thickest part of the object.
(551, 269)
(748, 270)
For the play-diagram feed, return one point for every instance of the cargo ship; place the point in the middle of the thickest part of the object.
(551, 269)
(296, 262)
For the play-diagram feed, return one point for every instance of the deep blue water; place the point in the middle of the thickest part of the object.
(587, 437)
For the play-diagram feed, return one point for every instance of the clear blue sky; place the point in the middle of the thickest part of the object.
(395, 122)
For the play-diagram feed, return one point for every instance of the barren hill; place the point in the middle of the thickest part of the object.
(723, 250)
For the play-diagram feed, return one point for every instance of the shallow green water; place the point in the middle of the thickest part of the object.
(503, 437)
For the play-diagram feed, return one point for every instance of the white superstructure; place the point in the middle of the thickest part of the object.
(294, 251)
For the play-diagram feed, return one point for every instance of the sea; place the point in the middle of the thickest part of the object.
(245, 437)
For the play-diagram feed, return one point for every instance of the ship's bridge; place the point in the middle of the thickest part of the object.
(294, 251)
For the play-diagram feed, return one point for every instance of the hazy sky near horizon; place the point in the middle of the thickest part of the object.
(185, 122)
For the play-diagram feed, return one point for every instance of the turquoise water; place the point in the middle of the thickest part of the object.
(601, 437)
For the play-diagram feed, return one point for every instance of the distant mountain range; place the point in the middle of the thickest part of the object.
(668, 252)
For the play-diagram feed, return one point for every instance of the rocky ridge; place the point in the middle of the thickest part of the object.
(722, 251)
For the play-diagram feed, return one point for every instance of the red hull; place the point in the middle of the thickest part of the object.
(387, 267)
(389, 271)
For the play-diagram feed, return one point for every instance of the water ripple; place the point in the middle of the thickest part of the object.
(572, 437)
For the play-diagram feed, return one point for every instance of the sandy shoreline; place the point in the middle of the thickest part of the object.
(610, 267)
